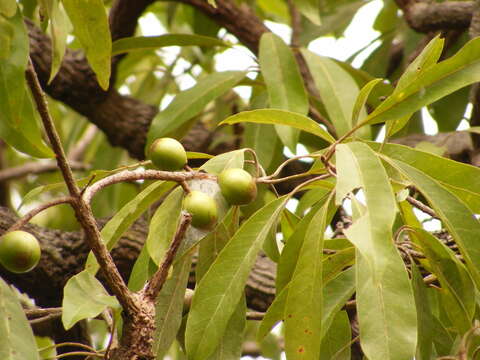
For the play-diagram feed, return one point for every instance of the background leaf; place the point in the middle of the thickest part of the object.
(90, 25)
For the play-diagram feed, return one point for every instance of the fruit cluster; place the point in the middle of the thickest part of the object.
(237, 186)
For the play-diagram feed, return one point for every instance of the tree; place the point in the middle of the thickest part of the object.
(351, 270)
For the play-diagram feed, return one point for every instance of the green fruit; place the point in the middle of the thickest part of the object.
(19, 251)
(237, 186)
(168, 154)
(202, 208)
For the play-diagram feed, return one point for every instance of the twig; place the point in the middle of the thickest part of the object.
(29, 215)
(35, 313)
(255, 315)
(128, 175)
(52, 134)
(82, 209)
(155, 285)
(276, 181)
(35, 167)
(75, 353)
(286, 162)
(421, 206)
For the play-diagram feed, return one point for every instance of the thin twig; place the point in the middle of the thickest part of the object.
(35, 313)
(421, 206)
(35, 167)
(287, 178)
(154, 286)
(29, 215)
(42, 107)
(128, 175)
(286, 162)
(82, 209)
(75, 353)
(255, 315)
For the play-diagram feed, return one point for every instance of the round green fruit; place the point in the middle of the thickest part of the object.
(19, 251)
(237, 186)
(203, 209)
(168, 154)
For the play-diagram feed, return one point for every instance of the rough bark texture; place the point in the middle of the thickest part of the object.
(64, 255)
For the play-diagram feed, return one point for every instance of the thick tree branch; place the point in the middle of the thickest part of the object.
(425, 17)
(64, 255)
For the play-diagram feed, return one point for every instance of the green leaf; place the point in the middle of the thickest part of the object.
(191, 102)
(268, 152)
(458, 289)
(339, 90)
(336, 342)
(18, 119)
(274, 314)
(385, 303)
(428, 57)
(126, 216)
(219, 291)
(310, 9)
(362, 99)
(169, 306)
(280, 117)
(8, 7)
(303, 308)
(284, 83)
(163, 225)
(84, 297)
(424, 317)
(461, 179)
(136, 43)
(231, 159)
(90, 26)
(142, 270)
(230, 346)
(58, 30)
(16, 337)
(432, 84)
(455, 215)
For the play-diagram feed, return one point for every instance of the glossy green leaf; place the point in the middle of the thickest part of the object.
(303, 308)
(428, 57)
(136, 43)
(339, 90)
(289, 257)
(455, 215)
(169, 306)
(336, 342)
(231, 159)
(90, 26)
(335, 294)
(126, 216)
(280, 117)
(163, 225)
(284, 83)
(16, 337)
(274, 314)
(142, 270)
(84, 297)
(385, 303)
(424, 317)
(58, 31)
(18, 119)
(230, 346)
(461, 179)
(433, 83)
(191, 102)
(219, 291)
(362, 99)
(457, 288)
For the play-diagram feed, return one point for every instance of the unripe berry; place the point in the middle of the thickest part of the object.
(167, 154)
(203, 209)
(237, 186)
(19, 251)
